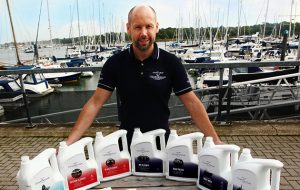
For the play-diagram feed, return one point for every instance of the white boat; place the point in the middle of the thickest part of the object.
(63, 77)
(35, 85)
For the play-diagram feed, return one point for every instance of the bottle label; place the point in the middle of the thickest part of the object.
(145, 164)
(243, 179)
(212, 181)
(44, 180)
(180, 164)
(113, 167)
(143, 155)
(178, 168)
(79, 174)
(79, 178)
(57, 186)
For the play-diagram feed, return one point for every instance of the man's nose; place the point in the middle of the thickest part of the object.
(144, 31)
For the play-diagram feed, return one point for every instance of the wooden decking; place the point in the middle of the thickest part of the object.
(149, 183)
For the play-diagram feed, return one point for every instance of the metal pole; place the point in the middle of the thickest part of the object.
(298, 82)
(220, 95)
(229, 92)
(298, 55)
(25, 102)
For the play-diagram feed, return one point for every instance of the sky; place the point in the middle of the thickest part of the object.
(98, 16)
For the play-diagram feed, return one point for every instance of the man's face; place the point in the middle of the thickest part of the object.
(142, 28)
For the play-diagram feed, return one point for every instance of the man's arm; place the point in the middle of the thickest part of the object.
(199, 115)
(88, 114)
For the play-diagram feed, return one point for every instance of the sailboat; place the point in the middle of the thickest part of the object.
(35, 84)
(53, 62)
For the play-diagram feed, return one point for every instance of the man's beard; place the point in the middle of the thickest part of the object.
(144, 47)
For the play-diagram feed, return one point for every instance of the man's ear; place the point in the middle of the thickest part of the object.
(128, 28)
(157, 27)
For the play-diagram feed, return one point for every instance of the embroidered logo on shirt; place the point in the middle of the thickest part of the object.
(157, 75)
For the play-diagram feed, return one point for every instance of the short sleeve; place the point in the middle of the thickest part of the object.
(180, 81)
(107, 79)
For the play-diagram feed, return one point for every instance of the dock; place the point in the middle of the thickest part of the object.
(273, 140)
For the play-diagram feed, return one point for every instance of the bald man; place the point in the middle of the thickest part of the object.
(144, 76)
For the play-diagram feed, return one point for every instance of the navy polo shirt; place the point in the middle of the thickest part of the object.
(144, 87)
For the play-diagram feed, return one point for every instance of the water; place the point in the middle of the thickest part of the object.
(74, 96)
(8, 56)
(68, 97)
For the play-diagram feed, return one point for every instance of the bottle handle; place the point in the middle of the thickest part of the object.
(275, 178)
(234, 156)
(162, 141)
(49, 155)
(197, 136)
(90, 151)
(124, 142)
(53, 162)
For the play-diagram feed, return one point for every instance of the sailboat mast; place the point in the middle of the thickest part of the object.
(239, 15)
(227, 26)
(78, 22)
(100, 34)
(51, 42)
(14, 36)
(267, 9)
(290, 28)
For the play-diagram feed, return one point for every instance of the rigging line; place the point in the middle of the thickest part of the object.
(204, 15)
(38, 26)
(227, 26)
(260, 13)
(18, 18)
(71, 34)
(13, 33)
(36, 56)
(243, 11)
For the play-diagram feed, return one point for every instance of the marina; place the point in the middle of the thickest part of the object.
(244, 91)
(246, 97)
(247, 77)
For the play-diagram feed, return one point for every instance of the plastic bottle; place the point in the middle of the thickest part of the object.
(40, 173)
(78, 171)
(215, 162)
(112, 162)
(181, 162)
(254, 174)
(147, 160)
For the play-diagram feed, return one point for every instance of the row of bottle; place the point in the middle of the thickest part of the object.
(75, 165)
(211, 167)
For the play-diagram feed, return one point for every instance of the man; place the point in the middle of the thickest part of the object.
(144, 76)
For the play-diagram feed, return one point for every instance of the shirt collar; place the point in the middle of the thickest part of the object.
(155, 53)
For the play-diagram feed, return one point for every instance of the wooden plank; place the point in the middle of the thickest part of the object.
(159, 188)
(143, 182)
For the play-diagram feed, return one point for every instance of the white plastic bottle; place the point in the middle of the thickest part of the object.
(181, 162)
(40, 173)
(78, 171)
(112, 162)
(254, 174)
(147, 160)
(215, 162)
